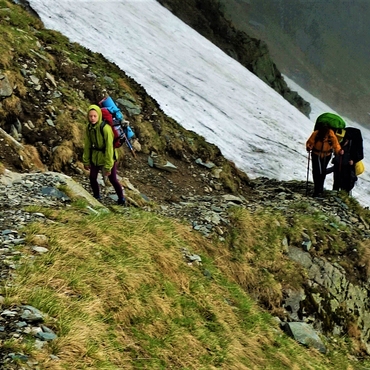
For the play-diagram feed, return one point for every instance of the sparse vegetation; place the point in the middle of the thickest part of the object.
(129, 300)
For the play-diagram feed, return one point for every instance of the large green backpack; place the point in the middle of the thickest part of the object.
(329, 119)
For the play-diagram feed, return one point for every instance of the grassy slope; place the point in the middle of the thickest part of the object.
(131, 301)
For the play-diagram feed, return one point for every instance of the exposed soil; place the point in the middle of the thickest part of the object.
(158, 185)
(163, 186)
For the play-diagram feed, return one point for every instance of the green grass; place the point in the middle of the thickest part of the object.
(129, 300)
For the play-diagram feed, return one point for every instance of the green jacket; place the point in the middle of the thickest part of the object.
(98, 148)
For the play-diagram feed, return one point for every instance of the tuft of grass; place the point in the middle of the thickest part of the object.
(364, 252)
(255, 257)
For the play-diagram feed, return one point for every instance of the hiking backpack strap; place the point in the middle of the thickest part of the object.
(92, 145)
(103, 123)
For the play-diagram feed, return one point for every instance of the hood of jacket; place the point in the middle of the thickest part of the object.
(97, 109)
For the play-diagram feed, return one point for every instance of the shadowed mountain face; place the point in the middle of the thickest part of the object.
(324, 46)
(207, 18)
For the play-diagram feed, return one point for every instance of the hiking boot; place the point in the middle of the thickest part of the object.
(121, 202)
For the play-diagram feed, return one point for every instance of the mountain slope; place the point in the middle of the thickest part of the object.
(207, 18)
(324, 47)
(212, 25)
(139, 298)
(48, 114)
(156, 294)
(201, 87)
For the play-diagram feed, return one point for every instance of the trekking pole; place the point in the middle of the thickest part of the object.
(308, 171)
(132, 150)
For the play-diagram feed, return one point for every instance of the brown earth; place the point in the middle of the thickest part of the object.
(162, 186)
(158, 185)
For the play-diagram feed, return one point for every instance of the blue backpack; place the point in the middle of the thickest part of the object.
(117, 118)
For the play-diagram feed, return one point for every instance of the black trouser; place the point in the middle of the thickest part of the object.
(319, 165)
(344, 177)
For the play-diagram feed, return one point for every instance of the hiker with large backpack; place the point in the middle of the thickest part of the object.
(344, 166)
(99, 153)
(321, 144)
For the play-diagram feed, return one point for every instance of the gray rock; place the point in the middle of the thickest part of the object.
(5, 87)
(31, 314)
(304, 334)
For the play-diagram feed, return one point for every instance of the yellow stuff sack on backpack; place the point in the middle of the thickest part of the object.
(359, 168)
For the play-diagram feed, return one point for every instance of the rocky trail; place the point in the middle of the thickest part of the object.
(190, 194)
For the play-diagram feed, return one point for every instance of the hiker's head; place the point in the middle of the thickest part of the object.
(322, 132)
(340, 134)
(94, 114)
(324, 129)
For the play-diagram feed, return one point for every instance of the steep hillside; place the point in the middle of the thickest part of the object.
(81, 287)
(207, 18)
(205, 269)
(48, 83)
(322, 46)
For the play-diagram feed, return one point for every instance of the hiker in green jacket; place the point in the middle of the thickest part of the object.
(99, 154)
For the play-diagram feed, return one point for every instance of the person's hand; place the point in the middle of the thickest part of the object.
(350, 162)
(87, 167)
(106, 173)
